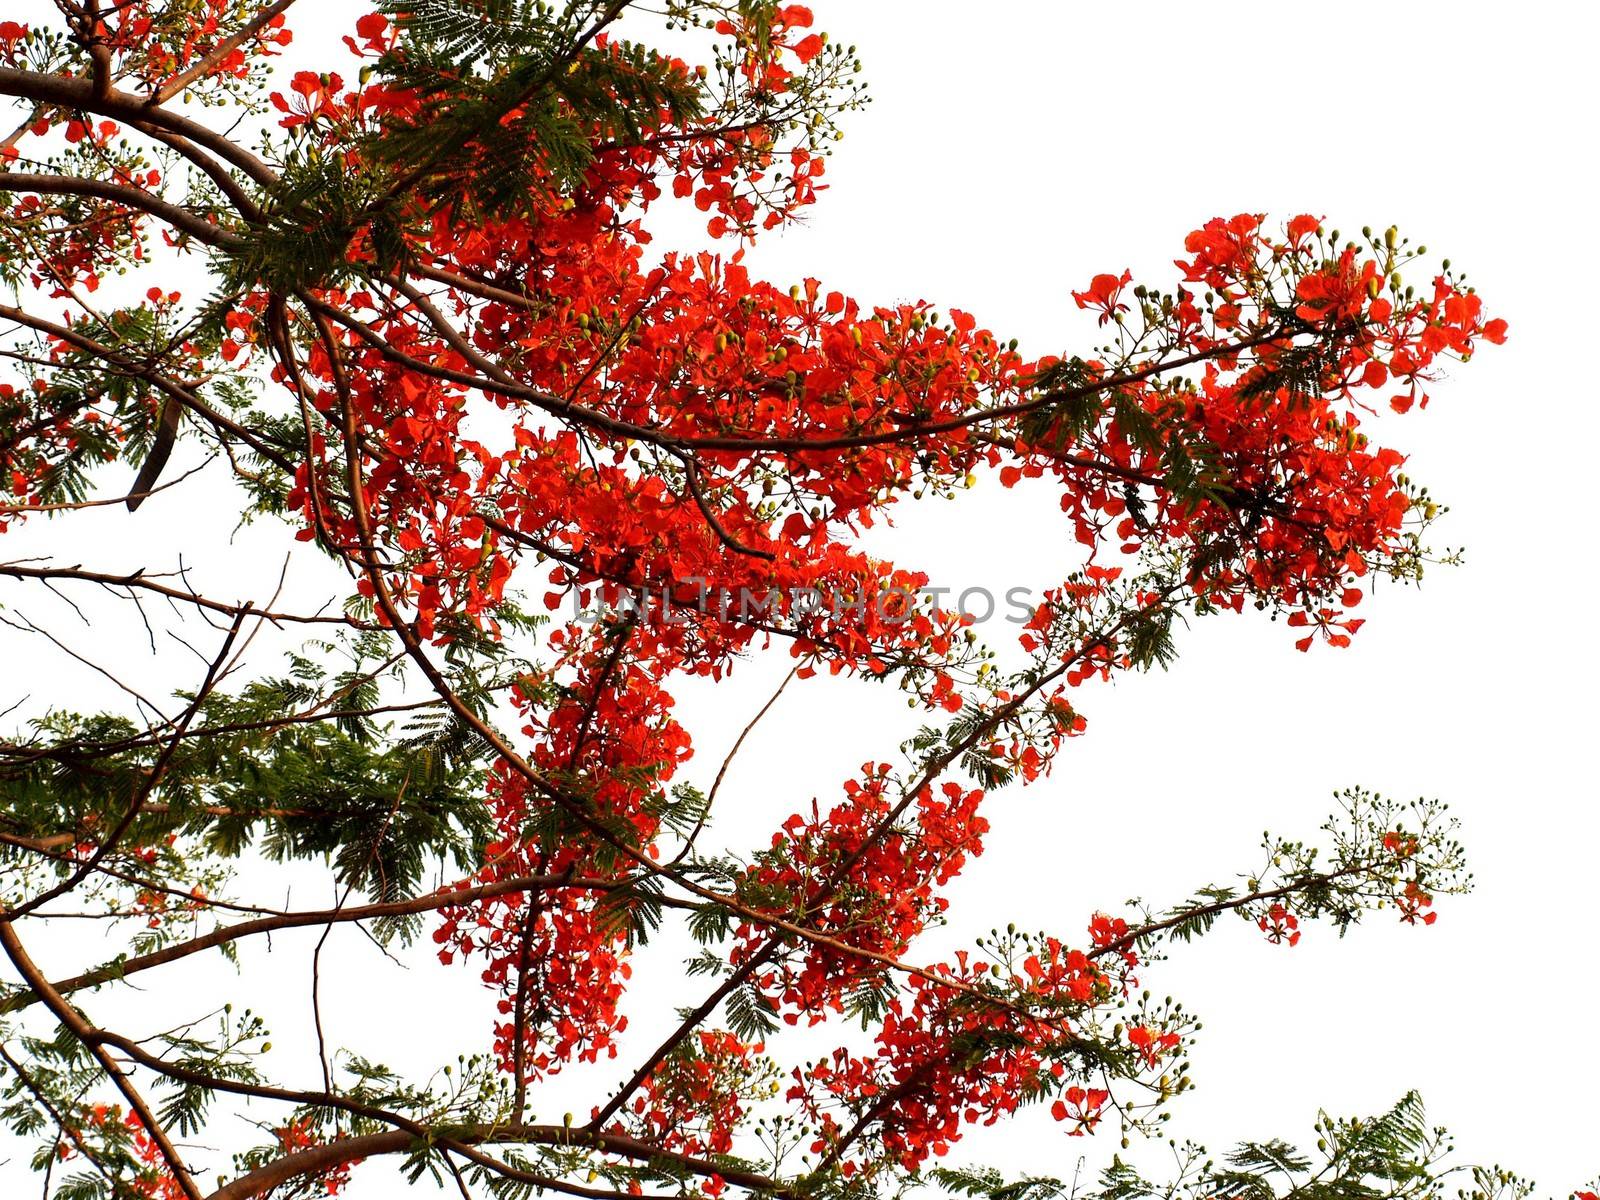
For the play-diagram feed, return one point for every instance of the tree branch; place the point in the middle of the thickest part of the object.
(219, 52)
(94, 1040)
(131, 197)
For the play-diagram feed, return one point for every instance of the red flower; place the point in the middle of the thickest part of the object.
(1280, 925)
(1084, 1106)
(1412, 901)
(1103, 293)
(1152, 1043)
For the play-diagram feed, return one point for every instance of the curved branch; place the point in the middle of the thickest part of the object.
(691, 474)
(219, 52)
(66, 91)
(317, 1159)
(298, 920)
(131, 197)
(681, 444)
(138, 579)
(94, 1040)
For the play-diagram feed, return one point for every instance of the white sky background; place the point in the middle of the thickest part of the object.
(1013, 150)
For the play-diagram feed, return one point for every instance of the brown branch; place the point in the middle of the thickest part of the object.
(877, 1112)
(94, 39)
(39, 845)
(16, 135)
(158, 810)
(148, 885)
(70, 92)
(243, 202)
(178, 217)
(275, 923)
(316, 1159)
(456, 339)
(219, 52)
(1302, 883)
(138, 579)
(78, 752)
(95, 1041)
(519, 1018)
(680, 444)
(691, 474)
(399, 1141)
(73, 506)
(475, 287)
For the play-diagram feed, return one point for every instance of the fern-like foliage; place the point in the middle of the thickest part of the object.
(1396, 1155)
